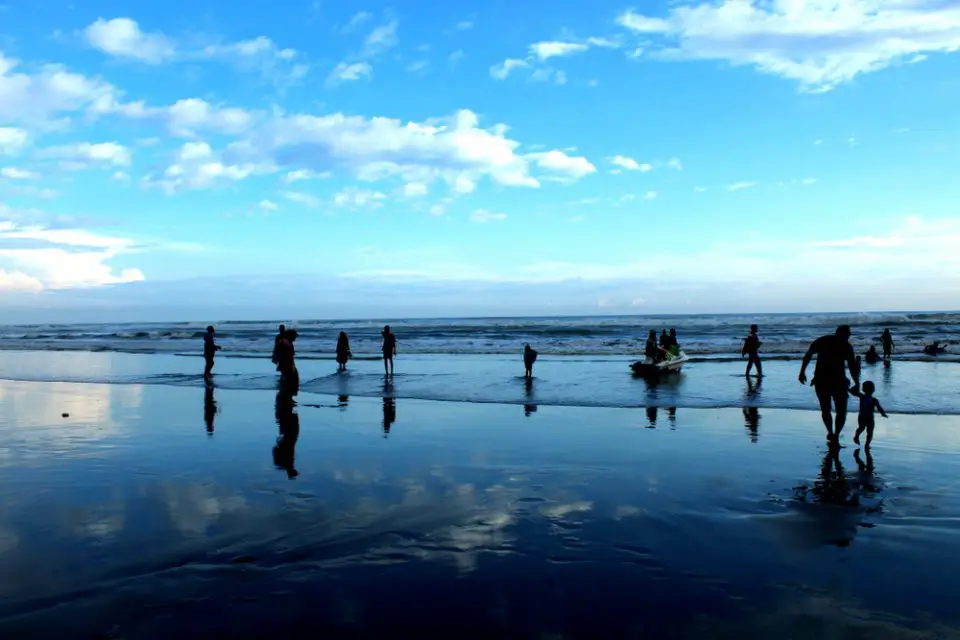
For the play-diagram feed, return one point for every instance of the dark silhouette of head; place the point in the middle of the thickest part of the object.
(282, 329)
(843, 332)
(210, 329)
(290, 334)
(386, 329)
(869, 387)
(653, 334)
(343, 335)
(753, 328)
(673, 332)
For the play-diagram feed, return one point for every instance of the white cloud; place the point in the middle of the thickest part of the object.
(122, 37)
(700, 189)
(40, 98)
(359, 198)
(464, 25)
(196, 166)
(349, 72)
(808, 181)
(267, 205)
(818, 44)
(628, 163)
(304, 174)
(15, 173)
(85, 154)
(358, 19)
(120, 176)
(12, 140)
(650, 195)
(418, 65)
(547, 74)
(33, 192)
(483, 216)
(502, 71)
(674, 163)
(551, 49)
(455, 57)
(564, 166)
(604, 43)
(300, 197)
(415, 189)
(184, 118)
(381, 39)
(818, 142)
(35, 258)
(739, 186)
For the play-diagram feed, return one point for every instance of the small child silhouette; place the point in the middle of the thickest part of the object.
(868, 405)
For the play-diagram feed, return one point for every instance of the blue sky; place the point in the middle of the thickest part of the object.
(497, 158)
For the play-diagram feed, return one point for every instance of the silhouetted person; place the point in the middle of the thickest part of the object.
(652, 350)
(672, 416)
(934, 349)
(829, 380)
(751, 349)
(209, 349)
(664, 339)
(672, 339)
(342, 402)
(389, 347)
(389, 414)
(751, 420)
(209, 408)
(872, 357)
(529, 357)
(886, 341)
(652, 416)
(343, 351)
(865, 417)
(286, 362)
(288, 423)
(275, 358)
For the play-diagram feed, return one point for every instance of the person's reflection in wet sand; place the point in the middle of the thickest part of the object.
(832, 486)
(209, 408)
(672, 417)
(389, 414)
(288, 423)
(867, 480)
(528, 407)
(751, 420)
(342, 402)
(652, 417)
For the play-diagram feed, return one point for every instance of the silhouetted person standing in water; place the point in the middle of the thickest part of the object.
(275, 359)
(751, 349)
(343, 351)
(286, 363)
(209, 349)
(886, 341)
(389, 350)
(652, 351)
(829, 379)
(529, 357)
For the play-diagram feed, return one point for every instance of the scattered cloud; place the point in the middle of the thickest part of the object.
(808, 181)
(304, 174)
(360, 18)
(197, 166)
(816, 44)
(630, 164)
(123, 38)
(349, 72)
(818, 142)
(853, 142)
(546, 74)
(551, 49)
(185, 118)
(418, 66)
(674, 163)
(455, 57)
(120, 176)
(464, 25)
(415, 189)
(300, 197)
(84, 155)
(650, 195)
(267, 205)
(12, 141)
(502, 71)
(482, 216)
(381, 39)
(562, 166)
(32, 191)
(15, 173)
(355, 198)
(700, 189)
(739, 186)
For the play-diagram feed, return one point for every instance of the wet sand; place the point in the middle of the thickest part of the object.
(156, 511)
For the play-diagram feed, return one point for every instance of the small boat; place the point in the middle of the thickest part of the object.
(670, 365)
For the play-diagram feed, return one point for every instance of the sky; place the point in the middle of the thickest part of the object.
(319, 159)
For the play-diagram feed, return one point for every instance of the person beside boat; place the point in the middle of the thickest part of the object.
(653, 351)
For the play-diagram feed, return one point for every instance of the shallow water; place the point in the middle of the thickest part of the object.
(903, 387)
(151, 511)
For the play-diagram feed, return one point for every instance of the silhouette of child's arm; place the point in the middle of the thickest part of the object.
(880, 409)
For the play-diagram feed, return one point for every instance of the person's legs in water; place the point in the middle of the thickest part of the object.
(756, 361)
(386, 364)
(749, 366)
(208, 369)
(824, 397)
(840, 395)
(861, 427)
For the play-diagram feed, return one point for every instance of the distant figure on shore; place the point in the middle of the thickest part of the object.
(886, 341)
(751, 349)
(209, 349)
(275, 358)
(389, 350)
(865, 418)
(829, 379)
(934, 349)
(343, 351)
(872, 357)
(286, 363)
(529, 357)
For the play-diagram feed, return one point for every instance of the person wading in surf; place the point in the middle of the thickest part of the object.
(830, 383)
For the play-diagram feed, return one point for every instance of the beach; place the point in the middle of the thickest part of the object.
(148, 509)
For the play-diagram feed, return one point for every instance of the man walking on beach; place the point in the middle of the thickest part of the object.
(829, 378)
